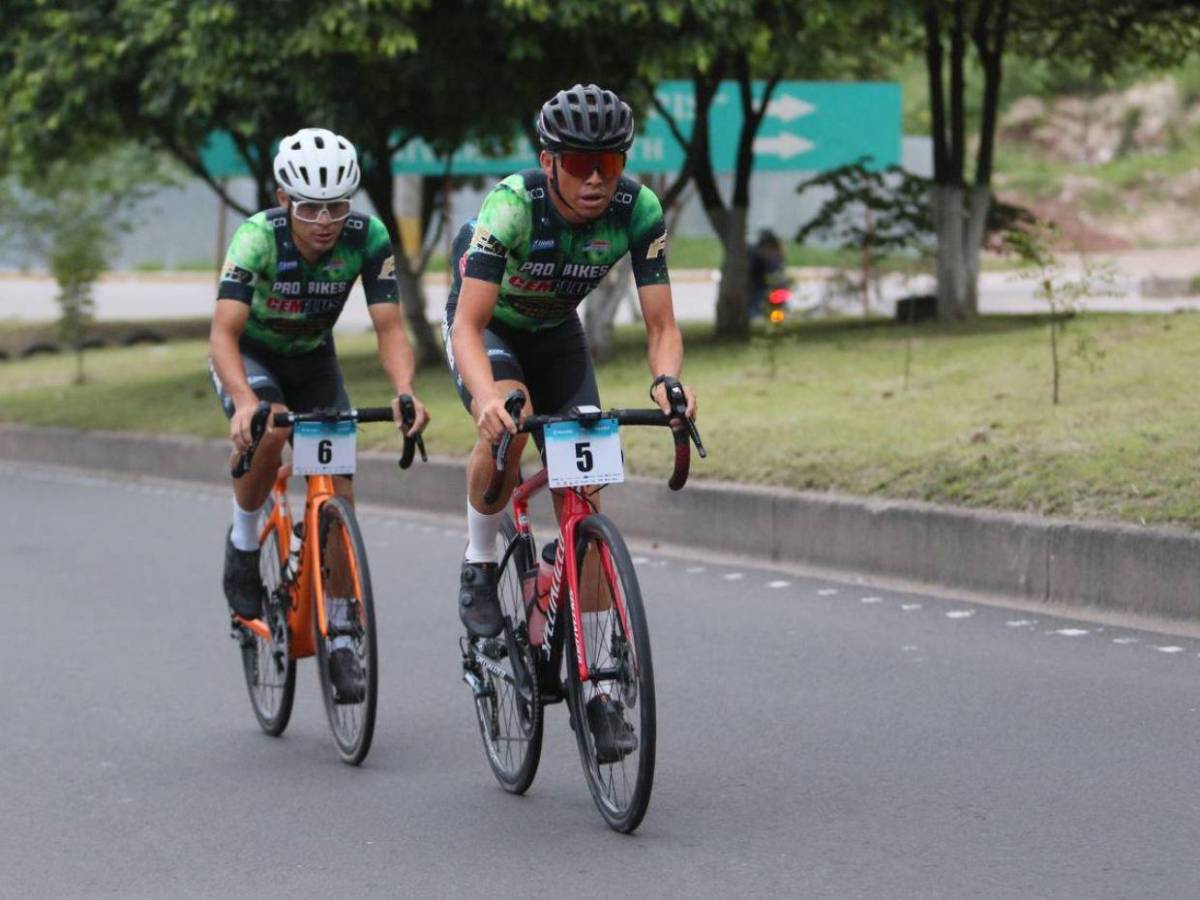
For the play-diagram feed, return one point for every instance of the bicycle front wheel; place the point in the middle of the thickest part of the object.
(267, 664)
(506, 694)
(617, 749)
(349, 643)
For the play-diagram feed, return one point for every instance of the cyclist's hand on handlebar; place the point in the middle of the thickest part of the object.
(239, 425)
(419, 422)
(659, 395)
(494, 420)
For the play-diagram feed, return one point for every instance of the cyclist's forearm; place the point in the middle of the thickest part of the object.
(664, 351)
(227, 363)
(471, 357)
(396, 357)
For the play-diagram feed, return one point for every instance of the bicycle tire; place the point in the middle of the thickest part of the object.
(620, 789)
(352, 724)
(268, 667)
(509, 726)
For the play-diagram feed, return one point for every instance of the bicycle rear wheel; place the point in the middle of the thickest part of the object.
(510, 713)
(619, 664)
(267, 664)
(350, 610)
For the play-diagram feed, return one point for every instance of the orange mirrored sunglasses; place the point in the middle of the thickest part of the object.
(582, 164)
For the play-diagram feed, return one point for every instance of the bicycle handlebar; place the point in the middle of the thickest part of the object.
(258, 427)
(683, 450)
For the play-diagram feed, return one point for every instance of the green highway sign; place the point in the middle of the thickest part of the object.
(810, 126)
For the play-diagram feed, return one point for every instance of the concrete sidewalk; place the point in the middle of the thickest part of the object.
(1100, 568)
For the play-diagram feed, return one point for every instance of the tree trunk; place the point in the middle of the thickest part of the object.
(428, 349)
(733, 310)
(601, 309)
(978, 203)
(947, 204)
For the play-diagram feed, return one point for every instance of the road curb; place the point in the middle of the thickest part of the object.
(1102, 566)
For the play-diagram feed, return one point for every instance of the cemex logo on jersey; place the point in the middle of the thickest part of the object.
(309, 306)
(234, 272)
(483, 241)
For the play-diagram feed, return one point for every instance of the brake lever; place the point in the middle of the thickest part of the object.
(408, 415)
(678, 401)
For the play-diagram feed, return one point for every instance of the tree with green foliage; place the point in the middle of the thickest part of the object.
(67, 214)
(708, 41)
(1101, 32)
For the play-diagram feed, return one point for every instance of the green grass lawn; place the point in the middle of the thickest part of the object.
(974, 425)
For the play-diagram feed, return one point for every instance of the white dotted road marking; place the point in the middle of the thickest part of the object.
(869, 600)
(827, 592)
(909, 648)
(733, 576)
(960, 614)
(1169, 649)
(909, 607)
(694, 570)
(778, 584)
(1020, 623)
(1071, 632)
(1125, 640)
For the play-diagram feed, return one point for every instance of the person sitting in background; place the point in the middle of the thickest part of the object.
(767, 269)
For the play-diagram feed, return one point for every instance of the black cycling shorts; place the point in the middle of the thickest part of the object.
(301, 383)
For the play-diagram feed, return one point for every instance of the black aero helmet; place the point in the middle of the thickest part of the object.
(585, 117)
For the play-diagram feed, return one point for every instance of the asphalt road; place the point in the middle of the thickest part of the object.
(816, 738)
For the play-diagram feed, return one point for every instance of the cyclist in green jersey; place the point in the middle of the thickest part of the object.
(286, 278)
(542, 240)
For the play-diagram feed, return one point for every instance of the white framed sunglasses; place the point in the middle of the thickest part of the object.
(310, 210)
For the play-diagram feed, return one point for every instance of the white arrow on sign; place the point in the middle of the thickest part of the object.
(787, 107)
(784, 145)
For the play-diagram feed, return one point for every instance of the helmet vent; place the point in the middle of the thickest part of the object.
(319, 141)
(304, 175)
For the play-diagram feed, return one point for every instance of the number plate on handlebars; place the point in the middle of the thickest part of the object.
(577, 456)
(324, 448)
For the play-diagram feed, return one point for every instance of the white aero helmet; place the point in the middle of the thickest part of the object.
(316, 164)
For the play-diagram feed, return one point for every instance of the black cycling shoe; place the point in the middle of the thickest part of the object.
(347, 676)
(242, 581)
(614, 736)
(478, 604)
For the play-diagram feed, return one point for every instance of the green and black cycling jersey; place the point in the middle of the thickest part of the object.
(543, 264)
(294, 303)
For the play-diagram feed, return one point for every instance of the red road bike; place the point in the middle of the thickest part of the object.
(593, 620)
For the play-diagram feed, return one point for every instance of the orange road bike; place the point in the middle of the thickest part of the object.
(310, 569)
(588, 614)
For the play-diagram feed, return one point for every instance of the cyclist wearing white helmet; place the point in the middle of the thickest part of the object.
(286, 278)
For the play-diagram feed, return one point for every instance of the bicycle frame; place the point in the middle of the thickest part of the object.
(575, 510)
(305, 587)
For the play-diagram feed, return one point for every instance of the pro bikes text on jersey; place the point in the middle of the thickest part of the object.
(575, 279)
(313, 289)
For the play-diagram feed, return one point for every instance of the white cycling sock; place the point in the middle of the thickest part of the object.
(245, 527)
(482, 529)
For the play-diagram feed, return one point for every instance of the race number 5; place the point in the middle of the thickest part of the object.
(579, 456)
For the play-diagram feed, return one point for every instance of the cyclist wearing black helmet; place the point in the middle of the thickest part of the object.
(543, 239)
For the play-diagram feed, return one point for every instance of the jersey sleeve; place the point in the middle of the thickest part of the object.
(648, 240)
(246, 261)
(503, 224)
(379, 265)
